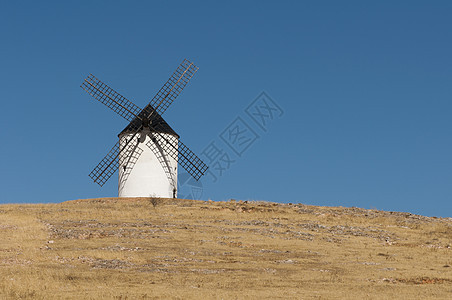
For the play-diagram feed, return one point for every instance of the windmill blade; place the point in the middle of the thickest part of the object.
(190, 162)
(107, 96)
(128, 159)
(110, 163)
(158, 151)
(178, 150)
(172, 88)
(166, 95)
(107, 166)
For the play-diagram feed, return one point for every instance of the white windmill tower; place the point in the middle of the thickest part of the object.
(148, 149)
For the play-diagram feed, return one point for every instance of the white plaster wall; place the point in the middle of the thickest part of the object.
(145, 178)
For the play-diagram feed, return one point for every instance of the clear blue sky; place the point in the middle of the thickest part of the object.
(365, 90)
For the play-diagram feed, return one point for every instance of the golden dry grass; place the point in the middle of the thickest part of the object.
(170, 248)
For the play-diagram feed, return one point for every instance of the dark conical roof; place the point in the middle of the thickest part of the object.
(158, 124)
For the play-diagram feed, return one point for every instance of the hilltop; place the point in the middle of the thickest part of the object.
(145, 248)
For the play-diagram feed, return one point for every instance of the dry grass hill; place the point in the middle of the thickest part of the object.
(181, 249)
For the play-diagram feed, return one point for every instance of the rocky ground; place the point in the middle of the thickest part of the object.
(172, 248)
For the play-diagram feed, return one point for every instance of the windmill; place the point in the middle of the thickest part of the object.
(148, 149)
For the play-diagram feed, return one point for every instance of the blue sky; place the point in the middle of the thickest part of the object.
(364, 88)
